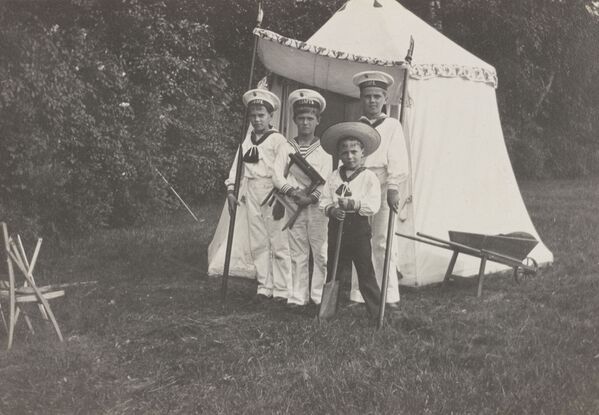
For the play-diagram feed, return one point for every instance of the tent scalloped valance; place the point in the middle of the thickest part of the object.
(417, 71)
(318, 50)
(429, 70)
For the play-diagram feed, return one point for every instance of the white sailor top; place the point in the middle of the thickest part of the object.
(390, 161)
(259, 154)
(362, 186)
(287, 177)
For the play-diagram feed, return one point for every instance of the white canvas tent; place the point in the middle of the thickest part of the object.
(461, 176)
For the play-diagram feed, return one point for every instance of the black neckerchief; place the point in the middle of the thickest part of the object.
(257, 141)
(251, 156)
(343, 189)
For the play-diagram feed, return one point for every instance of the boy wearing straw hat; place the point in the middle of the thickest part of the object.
(352, 194)
(268, 244)
(308, 232)
(390, 164)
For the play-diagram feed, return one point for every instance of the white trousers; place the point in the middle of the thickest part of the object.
(269, 245)
(379, 223)
(308, 233)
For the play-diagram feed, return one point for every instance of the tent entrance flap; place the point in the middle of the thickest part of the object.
(339, 107)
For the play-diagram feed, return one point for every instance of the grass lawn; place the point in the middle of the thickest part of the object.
(151, 336)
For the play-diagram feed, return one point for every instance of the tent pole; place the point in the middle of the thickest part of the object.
(239, 169)
(393, 213)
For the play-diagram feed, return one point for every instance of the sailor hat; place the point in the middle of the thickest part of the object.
(262, 97)
(307, 98)
(368, 136)
(373, 78)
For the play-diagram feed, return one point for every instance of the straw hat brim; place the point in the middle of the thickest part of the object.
(368, 136)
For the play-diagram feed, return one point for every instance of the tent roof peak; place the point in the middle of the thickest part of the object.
(382, 29)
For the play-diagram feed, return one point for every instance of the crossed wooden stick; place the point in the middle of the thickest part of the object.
(29, 292)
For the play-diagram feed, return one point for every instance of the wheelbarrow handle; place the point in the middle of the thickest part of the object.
(454, 245)
(414, 238)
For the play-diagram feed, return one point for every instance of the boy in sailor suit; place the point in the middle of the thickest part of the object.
(352, 194)
(309, 232)
(268, 244)
(390, 164)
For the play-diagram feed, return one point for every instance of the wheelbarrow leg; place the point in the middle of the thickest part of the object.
(449, 271)
(481, 275)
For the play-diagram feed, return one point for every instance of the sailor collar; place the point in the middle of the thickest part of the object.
(311, 148)
(251, 156)
(373, 123)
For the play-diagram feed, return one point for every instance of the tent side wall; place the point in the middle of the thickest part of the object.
(462, 175)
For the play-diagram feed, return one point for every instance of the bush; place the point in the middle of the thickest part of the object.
(94, 99)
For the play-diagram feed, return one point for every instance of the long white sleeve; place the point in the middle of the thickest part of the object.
(397, 159)
(280, 166)
(390, 161)
(370, 199)
(230, 181)
(326, 198)
(365, 189)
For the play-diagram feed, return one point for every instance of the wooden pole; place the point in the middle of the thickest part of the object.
(11, 283)
(238, 171)
(37, 292)
(177, 194)
(393, 213)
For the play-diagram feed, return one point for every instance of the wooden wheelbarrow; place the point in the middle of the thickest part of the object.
(508, 249)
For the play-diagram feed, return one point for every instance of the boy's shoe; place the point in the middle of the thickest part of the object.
(394, 311)
(261, 298)
(280, 300)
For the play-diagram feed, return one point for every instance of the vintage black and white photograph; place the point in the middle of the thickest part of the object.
(299, 207)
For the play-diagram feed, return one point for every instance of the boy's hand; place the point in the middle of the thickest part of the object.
(302, 200)
(232, 202)
(294, 192)
(300, 197)
(393, 199)
(348, 204)
(337, 213)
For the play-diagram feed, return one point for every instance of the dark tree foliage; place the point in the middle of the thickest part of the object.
(234, 20)
(94, 96)
(96, 93)
(547, 59)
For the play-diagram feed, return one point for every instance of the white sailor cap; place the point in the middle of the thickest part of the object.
(373, 78)
(307, 98)
(262, 97)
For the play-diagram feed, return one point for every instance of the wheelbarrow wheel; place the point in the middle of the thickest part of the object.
(529, 269)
